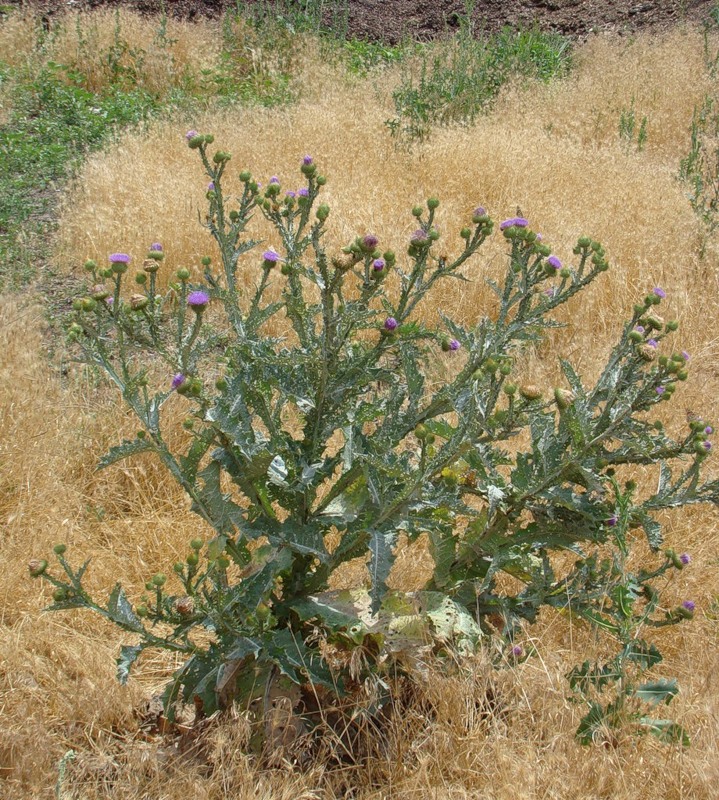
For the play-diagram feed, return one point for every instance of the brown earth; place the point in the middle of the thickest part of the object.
(391, 20)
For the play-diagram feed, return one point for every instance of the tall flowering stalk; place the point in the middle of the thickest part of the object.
(377, 451)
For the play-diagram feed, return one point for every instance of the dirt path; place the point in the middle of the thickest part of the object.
(391, 20)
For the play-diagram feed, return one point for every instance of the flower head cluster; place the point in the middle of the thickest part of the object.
(513, 222)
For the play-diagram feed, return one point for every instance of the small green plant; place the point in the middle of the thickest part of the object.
(631, 135)
(700, 168)
(459, 79)
(307, 451)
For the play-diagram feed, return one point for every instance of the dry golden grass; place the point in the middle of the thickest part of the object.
(554, 151)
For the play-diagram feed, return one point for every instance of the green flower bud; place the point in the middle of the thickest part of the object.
(565, 273)
(90, 265)
(142, 611)
(635, 336)
(221, 384)
(196, 544)
(308, 169)
(205, 261)
(223, 562)
(118, 267)
(417, 211)
(630, 485)
(178, 567)
(655, 321)
(159, 579)
(183, 274)
(465, 233)
(77, 304)
(505, 368)
(323, 212)
(670, 388)
(421, 431)
(684, 612)
(188, 424)
(37, 567)
(195, 141)
(432, 203)
(672, 325)
(75, 329)
(89, 304)
(321, 180)
(245, 176)
(59, 595)
(221, 157)
(286, 269)
(509, 389)
(490, 365)
(192, 559)
(234, 216)
(682, 375)
(584, 242)
(433, 235)
(662, 361)
(141, 278)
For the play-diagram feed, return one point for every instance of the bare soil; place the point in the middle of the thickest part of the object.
(392, 20)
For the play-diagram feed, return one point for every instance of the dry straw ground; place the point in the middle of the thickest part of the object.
(554, 151)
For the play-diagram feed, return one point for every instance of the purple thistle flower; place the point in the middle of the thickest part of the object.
(303, 192)
(539, 237)
(190, 135)
(553, 261)
(390, 324)
(307, 160)
(639, 329)
(370, 241)
(690, 605)
(612, 521)
(290, 194)
(685, 355)
(271, 257)
(454, 345)
(517, 651)
(553, 292)
(708, 430)
(660, 390)
(110, 300)
(517, 222)
(198, 300)
(652, 343)
(178, 380)
(274, 179)
(685, 558)
(378, 264)
(659, 292)
(480, 211)
(419, 236)
(156, 247)
(707, 445)
(119, 258)
(211, 186)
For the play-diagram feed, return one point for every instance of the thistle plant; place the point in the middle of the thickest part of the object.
(307, 451)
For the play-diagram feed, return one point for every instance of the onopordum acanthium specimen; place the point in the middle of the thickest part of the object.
(324, 446)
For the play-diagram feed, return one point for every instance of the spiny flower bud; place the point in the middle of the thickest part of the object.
(192, 559)
(141, 278)
(450, 345)
(88, 304)
(432, 203)
(323, 212)
(655, 321)
(417, 211)
(149, 265)
(37, 567)
(183, 274)
(196, 544)
(90, 265)
(138, 302)
(647, 352)
(563, 398)
(184, 606)
(159, 580)
(100, 292)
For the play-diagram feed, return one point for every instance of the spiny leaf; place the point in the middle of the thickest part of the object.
(125, 450)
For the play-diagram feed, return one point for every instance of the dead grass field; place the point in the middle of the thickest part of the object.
(555, 152)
